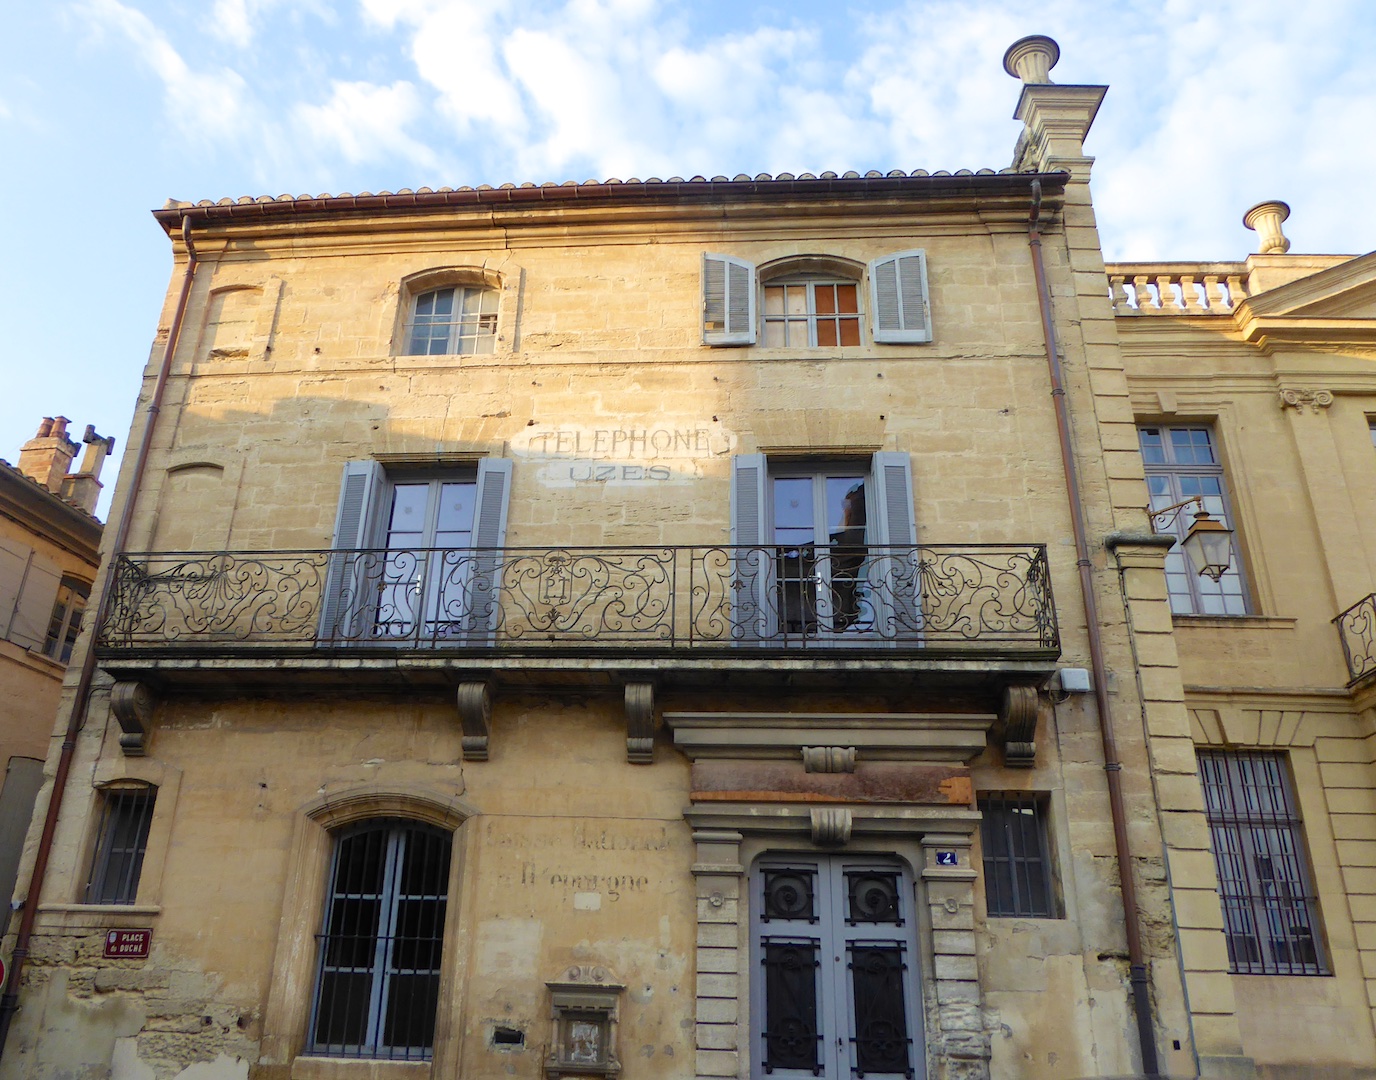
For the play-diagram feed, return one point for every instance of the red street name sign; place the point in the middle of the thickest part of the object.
(128, 944)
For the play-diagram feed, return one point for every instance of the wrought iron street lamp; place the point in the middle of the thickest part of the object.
(1207, 543)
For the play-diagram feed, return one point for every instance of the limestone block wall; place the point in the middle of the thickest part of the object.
(288, 369)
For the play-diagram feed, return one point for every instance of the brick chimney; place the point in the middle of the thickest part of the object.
(47, 456)
(83, 487)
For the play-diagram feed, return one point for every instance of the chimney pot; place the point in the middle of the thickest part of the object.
(48, 455)
(1265, 220)
(1032, 58)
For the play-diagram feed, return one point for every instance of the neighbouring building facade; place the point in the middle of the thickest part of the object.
(49, 537)
(722, 628)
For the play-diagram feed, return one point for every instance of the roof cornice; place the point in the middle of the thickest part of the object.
(919, 185)
(40, 511)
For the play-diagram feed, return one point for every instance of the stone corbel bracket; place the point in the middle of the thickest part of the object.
(475, 716)
(133, 704)
(640, 723)
(1018, 715)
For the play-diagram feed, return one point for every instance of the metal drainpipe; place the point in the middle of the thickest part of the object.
(1137, 967)
(9, 1001)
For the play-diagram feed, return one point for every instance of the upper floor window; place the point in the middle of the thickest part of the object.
(65, 624)
(457, 321)
(378, 981)
(126, 815)
(806, 312)
(815, 301)
(1181, 463)
(1270, 911)
(416, 554)
(824, 551)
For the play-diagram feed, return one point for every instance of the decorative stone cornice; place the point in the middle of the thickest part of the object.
(1298, 399)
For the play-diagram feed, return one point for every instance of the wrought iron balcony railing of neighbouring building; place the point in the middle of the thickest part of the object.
(1357, 629)
(961, 599)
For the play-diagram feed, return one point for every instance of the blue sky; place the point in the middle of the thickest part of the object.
(108, 107)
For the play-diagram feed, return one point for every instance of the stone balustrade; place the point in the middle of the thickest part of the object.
(1176, 288)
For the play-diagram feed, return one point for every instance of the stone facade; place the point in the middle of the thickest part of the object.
(664, 746)
(48, 542)
(1270, 356)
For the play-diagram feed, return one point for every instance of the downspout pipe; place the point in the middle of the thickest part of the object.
(9, 1000)
(1137, 967)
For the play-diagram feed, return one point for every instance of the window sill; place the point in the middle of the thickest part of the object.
(103, 916)
(328, 1068)
(1251, 622)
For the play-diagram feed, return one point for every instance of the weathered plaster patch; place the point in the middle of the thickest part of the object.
(509, 947)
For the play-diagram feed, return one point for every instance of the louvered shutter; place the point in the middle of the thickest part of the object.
(728, 301)
(752, 558)
(350, 589)
(898, 298)
(489, 537)
(14, 558)
(899, 611)
(36, 599)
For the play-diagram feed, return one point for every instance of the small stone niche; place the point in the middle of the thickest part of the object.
(585, 1008)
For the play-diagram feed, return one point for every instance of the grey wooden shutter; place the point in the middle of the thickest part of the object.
(14, 560)
(489, 537)
(896, 569)
(898, 298)
(752, 558)
(728, 301)
(34, 611)
(350, 589)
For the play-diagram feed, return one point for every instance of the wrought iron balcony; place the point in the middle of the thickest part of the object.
(1357, 629)
(966, 600)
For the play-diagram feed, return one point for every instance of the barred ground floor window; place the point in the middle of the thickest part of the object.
(1270, 909)
(378, 981)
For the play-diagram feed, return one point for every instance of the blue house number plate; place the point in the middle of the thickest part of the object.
(947, 858)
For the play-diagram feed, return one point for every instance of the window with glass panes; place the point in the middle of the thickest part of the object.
(378, 980)
(126, 815)
(1270, 910)
(1180, 463)
(820, 533)
(835, 991)
(1017, 863)
(429, 540)
(805, 313)
(461, 320)
(65, 623)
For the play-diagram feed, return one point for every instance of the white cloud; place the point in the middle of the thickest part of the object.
(236, 21)
(204, 105)
(366, 123)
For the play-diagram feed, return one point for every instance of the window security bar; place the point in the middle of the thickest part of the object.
(121, 841)
(1270, 910)
(378, 979)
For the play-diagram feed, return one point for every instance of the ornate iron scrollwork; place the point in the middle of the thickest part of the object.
(956, 600)
(1357, 629)
(788, 894)
(873, 897)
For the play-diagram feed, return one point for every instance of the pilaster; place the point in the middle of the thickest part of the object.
(1190, 871)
